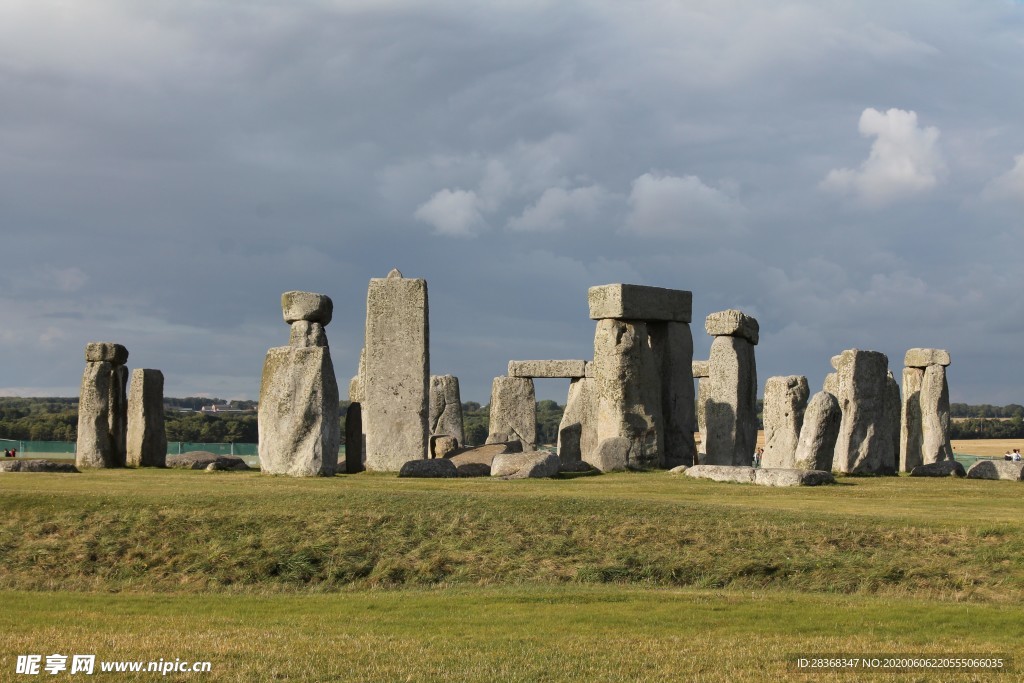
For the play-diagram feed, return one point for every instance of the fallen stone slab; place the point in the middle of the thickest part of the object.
(476, 462)
(640, 302)
(36, 466)
(997, 469)
(740, 474)
(578, 467)
(530, 465)
(922, 358)
(436, 468)
(944, 468)
(680, 469)
(779, 476)
(200, 460)
(555, 369)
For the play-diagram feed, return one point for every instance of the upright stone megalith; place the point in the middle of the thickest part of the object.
(103, 407)
(396, 383)
(701, 370)
(672, 345)
(731, 404)
(785, 400)
(924, 434)
(817, 445)
(865, 444)
(147, 437)
(628, 392)
(298, 412)
(577, 432)
(445, 415)
(513, 414)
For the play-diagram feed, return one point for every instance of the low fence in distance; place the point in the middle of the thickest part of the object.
(57, 448)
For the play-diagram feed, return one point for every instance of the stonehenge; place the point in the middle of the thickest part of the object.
(513, 412)
(730, 407)
(701, 371)
(577, 432)
(924, 432)
(785, 400)
(298, 407)
(445, 410)
(396, 378)
(147, 438)
(817, 444)
(103, 407)
(865, 443)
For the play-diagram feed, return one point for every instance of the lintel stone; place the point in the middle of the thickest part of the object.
(700, 368)
(922, 358)
(732, 323)
(569, 369)
(640, 302)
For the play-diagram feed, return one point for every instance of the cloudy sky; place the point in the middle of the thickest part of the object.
(851, 173)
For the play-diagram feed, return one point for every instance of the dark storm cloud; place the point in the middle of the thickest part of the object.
(851, 174)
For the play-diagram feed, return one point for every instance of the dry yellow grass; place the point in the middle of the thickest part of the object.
(990, 447)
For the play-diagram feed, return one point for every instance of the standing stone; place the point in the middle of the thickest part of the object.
(118, 415)
(672, 346)
(628, 391)
(577, 432)
(864, 445)
(910, 420)
(396, 384)
(935, 445)
(893, 408)
(445, 414)
(513, 412)
(147, 437)
(785, 400)
(305, 333)
(354, 438)
(731, 404)
(93, 446)
(701, 371)
(817, 444)
(298, 410)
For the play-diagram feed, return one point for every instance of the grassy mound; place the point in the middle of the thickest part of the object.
(194, 531)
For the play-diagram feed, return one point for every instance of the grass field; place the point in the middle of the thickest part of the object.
(619, 577)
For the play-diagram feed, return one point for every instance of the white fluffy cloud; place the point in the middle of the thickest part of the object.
(1009, 185)
(905, 160)
(455, 213)
(558, 207)
(672, 206)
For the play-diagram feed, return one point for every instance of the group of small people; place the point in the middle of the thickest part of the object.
(10, 452)
(758, 454)
(1013, 455)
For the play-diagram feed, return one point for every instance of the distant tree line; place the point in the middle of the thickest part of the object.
(985, 410)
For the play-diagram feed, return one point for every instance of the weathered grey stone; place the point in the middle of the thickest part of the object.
(732, 323)
(640, 302)
(864, 445)
(577, 432)
(611, 454)
(530, 465)
(93, 447)
(628, 391)
(441, 445)
(439, 468)
(200, 460)
(831, 383)
(513, 412)
(740, 474)
(305, 333)
(354, 438)
(588, 369)
(476, 462)
(672, 346)
(96, 352)
(700, 368)
(922, 358)
(147, 437)
(396, 382)
(445, 409)
(355, 385)
(298, 412)
(316, 308)
(36, 466)
(558, 369)
(792, 477)
(679, 469)
(835, 362)
(935, 445)
(997, 469)
(943, 468)
(117, 417)
(893, 408)
(730, 407)
(703, 391)
(911, 430)
(785, 400)
(817, 444)
(578, 467)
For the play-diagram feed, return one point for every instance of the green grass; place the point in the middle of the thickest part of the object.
(538, 633)
(633, 576)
